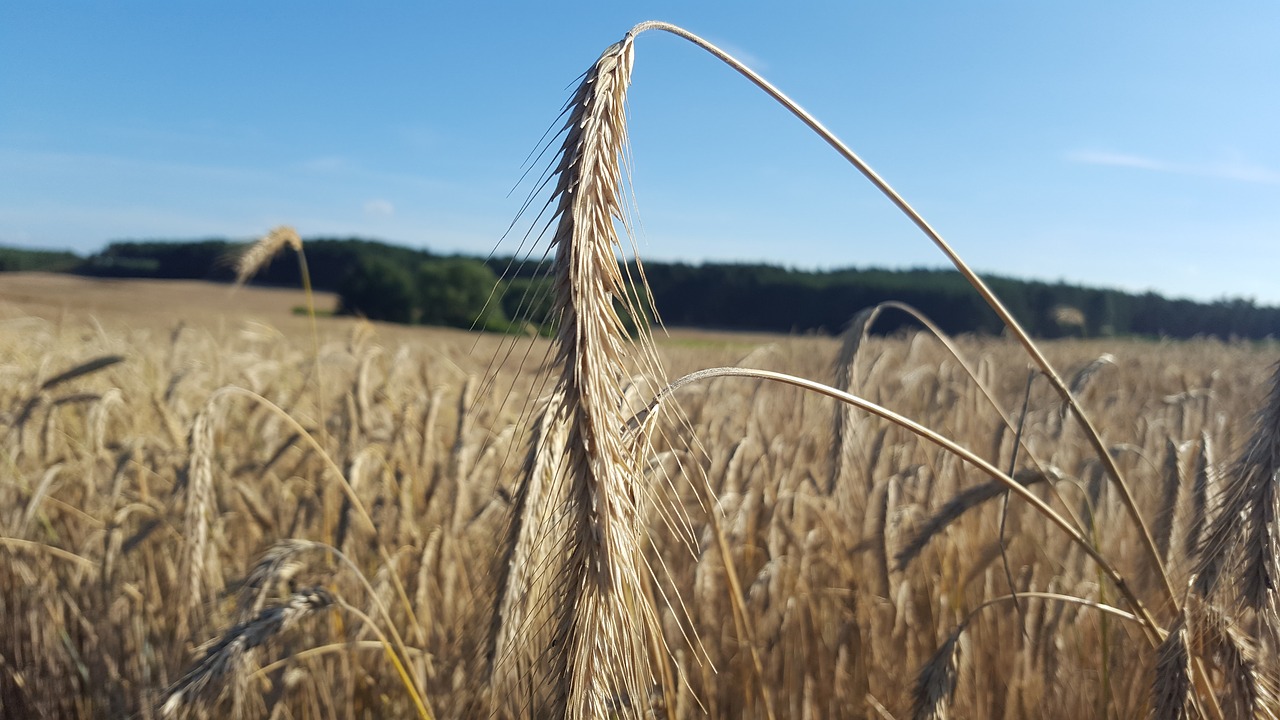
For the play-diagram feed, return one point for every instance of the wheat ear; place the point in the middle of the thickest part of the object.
(229, 654)
(261, 253)
(1245, 533)
(524, 587)
(599, 629)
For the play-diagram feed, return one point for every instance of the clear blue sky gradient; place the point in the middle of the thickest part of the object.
(1132, 145)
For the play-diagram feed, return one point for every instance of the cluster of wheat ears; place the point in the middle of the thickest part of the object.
(557, 530)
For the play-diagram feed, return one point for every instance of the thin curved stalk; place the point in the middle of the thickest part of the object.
(950, 346)
(373, 595)
(1095, 438)
(936, 683)
(327, 649)
(296, 427)
(418, 701)
(51, 550)
(1153, 631)
(1058, 597)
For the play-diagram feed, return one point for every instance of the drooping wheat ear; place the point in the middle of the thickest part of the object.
(936, 683)
(519, 632)
(39, 397)
(1245, 533)
(1173, 696)
(258, 256)
(230, 654)
(1162, 528)
(1080, 380)
(261, 253)
(599, 627)
(199, 561)
(277, 566)
(1203, 486)
(960, 504)
(1248, 692)
(846, 418)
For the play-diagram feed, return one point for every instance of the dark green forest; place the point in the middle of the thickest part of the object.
(398, 284)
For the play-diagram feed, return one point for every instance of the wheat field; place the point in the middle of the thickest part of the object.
(141, 498)
(212, 515)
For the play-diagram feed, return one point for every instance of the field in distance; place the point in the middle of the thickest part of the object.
(161, 304)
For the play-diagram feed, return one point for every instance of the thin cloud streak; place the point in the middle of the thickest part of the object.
(379, 208)
(1236, 170)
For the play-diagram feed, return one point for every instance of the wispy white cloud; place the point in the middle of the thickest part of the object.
(1234, 169)
(327, 163)
(379, 208)
(1113, 159)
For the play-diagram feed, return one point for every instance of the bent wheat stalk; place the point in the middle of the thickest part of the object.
(936, 683)
(1014, 327)
(1153, 630)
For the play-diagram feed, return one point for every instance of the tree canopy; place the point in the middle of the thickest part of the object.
(399, 284)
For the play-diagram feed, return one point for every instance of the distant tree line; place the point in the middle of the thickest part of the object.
(14, 259)
(372, 279)
(398, 284)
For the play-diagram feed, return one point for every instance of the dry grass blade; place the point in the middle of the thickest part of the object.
(50, 550)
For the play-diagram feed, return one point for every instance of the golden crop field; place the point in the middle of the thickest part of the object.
(182, 467)
(213, 505)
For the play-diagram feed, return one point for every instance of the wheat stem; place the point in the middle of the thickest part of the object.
(1091, 432)
(1153, 630)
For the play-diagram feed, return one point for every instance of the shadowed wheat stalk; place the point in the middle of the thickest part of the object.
(1245, 533)
(524, 599)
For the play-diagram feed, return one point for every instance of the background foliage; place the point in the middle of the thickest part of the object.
(398, 284)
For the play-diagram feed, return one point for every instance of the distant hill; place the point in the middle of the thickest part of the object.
(399, 284)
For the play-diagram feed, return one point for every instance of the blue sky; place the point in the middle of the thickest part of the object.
(1130, 145)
